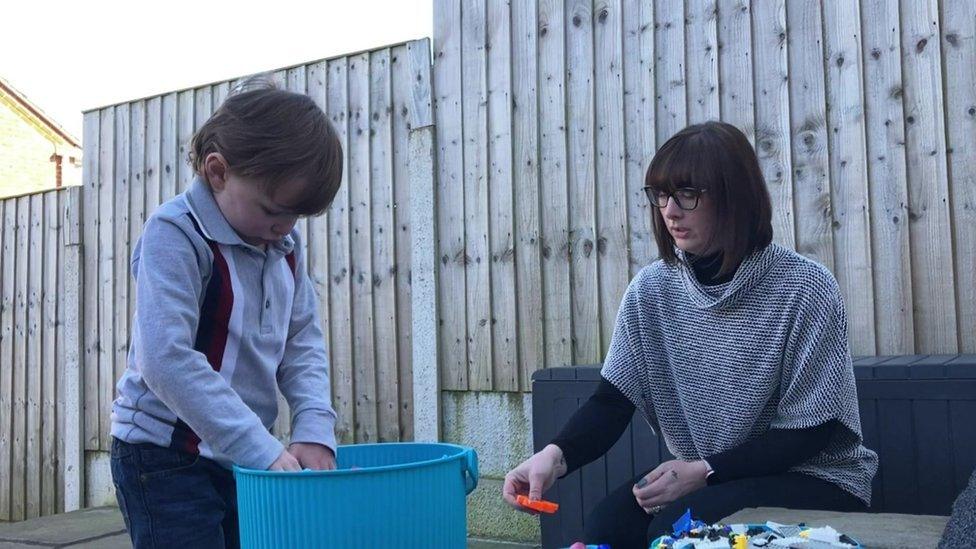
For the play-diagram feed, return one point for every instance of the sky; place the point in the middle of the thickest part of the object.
(71, 56)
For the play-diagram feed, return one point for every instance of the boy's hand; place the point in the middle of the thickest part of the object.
(285, 462)
(313, 456)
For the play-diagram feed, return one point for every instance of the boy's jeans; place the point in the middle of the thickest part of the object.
(172, 499)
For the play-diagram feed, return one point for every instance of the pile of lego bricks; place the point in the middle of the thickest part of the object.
(695, 534)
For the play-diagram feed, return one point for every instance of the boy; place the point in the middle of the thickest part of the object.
(224, 314)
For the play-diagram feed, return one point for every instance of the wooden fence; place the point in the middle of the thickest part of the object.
(548, 112)
(38, 266)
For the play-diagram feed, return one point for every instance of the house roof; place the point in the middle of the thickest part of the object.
(37, 113)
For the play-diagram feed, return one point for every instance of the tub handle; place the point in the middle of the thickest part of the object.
(470, 471)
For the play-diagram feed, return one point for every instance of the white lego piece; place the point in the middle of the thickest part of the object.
(763, 540)
(788, 542)
(717, 544)
(826, 534)
(816, 544)
(785, 530)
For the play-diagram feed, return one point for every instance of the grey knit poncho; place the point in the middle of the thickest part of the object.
(960, 532)
(711, 367)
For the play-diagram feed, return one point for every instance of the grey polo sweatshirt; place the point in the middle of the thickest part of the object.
(218, 325)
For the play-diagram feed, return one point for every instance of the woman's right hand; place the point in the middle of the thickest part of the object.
(534, 476)
(285, 462)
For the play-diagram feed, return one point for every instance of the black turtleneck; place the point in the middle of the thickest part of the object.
(597, 425)
(706, 269)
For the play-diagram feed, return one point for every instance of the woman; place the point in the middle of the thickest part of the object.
(734, 349)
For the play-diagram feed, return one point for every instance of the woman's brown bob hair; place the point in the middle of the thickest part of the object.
(717, 158)
(274, 136)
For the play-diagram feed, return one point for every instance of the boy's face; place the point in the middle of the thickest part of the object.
(259, 219)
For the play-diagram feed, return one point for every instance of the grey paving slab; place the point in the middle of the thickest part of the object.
(102, 528)
(475, 543)
(118, 541)
(15, 545)
(64, 529)
(873, 530)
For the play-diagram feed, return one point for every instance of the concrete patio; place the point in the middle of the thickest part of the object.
(102, 528)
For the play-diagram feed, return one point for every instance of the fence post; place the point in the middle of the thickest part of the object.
(426, 378)
(73, 462)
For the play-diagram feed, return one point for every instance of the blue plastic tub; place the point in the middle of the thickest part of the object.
(393, 495)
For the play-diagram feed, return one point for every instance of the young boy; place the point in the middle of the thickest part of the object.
(224, 314)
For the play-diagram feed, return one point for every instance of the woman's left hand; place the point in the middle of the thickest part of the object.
(313, 456)
(668, 482)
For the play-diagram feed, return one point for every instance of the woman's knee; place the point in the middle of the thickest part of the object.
(618, 521)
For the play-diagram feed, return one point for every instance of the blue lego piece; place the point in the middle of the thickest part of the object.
(683, 525)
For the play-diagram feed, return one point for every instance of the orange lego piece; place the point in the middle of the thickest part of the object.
(540, 505)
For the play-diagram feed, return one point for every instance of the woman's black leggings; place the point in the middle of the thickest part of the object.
(618, 521)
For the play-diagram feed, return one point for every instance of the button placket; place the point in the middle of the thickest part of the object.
(266, 286)
(265, 302)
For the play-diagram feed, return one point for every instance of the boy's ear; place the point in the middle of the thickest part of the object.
(215, 170)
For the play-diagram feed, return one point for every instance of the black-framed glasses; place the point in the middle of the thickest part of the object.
(686, 198)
